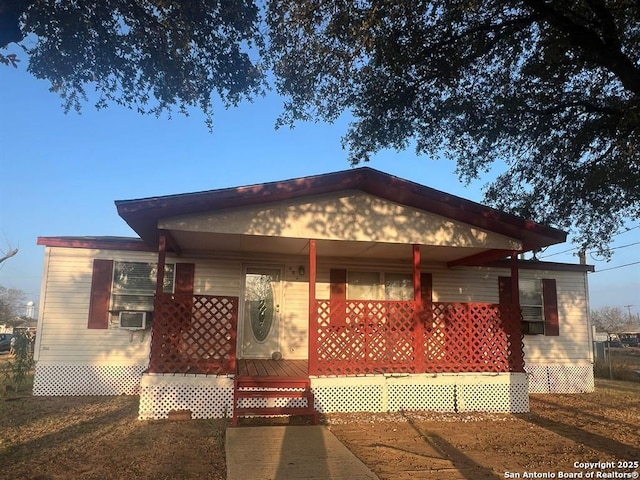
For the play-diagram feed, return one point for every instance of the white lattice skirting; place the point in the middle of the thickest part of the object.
(443, 392)
(205, 396)
(560, 378)
(75, 379)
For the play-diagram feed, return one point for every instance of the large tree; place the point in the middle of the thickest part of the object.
(151, 55)
(550, 89)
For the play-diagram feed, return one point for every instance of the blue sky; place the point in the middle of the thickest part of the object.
(61, 173)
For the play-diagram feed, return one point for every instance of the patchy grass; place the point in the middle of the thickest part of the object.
(55, 438)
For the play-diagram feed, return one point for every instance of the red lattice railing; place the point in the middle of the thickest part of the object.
(194, 334)
(361, 336)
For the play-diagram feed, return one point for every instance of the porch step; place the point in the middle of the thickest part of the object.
(272, 387)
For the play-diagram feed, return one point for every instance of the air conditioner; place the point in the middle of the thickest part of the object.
(133, 320)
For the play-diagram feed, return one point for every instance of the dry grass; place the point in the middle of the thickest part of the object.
(52, 438)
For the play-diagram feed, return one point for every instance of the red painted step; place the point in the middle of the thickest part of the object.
(272, 387)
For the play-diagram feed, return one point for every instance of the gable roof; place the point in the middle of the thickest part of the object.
(143, 215)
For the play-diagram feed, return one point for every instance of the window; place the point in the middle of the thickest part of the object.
(532, 306)
(379, 286)
(134, 285)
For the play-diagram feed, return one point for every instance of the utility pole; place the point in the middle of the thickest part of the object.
(628, 307)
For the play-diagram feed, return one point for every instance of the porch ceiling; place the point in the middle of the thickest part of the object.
(213, 242)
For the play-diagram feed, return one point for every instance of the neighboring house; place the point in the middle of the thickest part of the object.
(350, 291)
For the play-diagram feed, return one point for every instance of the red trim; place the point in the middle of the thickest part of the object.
(162, 257)
(505, 290)
(480, 259)
(99, 302)
(143, 214)
(550, 299)
(515, 281)
(417, 288)
(549, 266)
(185, 274)
(338, 295)
(104, 243)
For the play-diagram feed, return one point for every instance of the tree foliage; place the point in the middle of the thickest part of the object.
(550, 88)
(151, 55)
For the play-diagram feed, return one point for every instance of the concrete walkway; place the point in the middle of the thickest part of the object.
(290, 453)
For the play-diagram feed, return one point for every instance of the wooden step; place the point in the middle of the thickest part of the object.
(272, 387)
(273, 394)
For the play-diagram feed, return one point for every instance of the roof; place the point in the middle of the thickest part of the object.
(107, 243)
(143, 214)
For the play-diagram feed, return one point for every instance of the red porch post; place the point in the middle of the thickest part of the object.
(162, 256)
(313, 326)
(517, 351)
(418, 343)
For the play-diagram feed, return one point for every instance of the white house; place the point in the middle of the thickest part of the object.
(350, 291)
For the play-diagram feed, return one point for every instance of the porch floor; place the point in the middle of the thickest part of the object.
(254, 367)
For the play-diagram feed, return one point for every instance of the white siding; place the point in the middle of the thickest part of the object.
(65, 338)
(63, 333)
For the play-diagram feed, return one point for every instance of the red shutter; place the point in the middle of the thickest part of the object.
(185, 273)
(504, 290)
(338, 296)
(99, 302)
(550, 298)
(426, 288)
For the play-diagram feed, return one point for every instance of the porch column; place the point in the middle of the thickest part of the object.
(517, 353)
(162, 256)
(313, 321)
(418, 344)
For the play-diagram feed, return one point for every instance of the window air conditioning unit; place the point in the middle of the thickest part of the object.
(133, 320)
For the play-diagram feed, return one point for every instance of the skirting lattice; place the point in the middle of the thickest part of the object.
(61, 380)
(204, 396)
(560, 378)
(444, 392)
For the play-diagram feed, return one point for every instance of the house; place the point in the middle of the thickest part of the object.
(349, 291)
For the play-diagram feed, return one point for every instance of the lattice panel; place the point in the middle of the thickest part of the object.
(364, 337)
(560, 378)
(493, 397)
(446, 393)
(61, 380)
(439, 398)
(356, 398)
(203, 396)
(538, 377)
(194, 334)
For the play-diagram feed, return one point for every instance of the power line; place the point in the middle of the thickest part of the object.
(612, 248)
(619, 266)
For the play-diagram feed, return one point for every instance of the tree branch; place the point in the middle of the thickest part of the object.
(604, 51)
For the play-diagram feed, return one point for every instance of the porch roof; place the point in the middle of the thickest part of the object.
(143, 215)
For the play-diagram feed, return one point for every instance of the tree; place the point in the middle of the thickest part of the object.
(610, 319)
(12, 300)
(151, 55)
(550, 88)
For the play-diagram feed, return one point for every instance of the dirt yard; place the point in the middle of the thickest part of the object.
(100, 438)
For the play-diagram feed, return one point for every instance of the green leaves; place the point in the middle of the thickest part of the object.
(153, 56)
(549, 89)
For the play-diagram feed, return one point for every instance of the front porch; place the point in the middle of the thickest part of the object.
(197, 335)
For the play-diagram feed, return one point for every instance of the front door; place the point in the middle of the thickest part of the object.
(261, 312)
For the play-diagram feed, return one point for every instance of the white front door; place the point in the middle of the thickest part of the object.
(261, 312)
